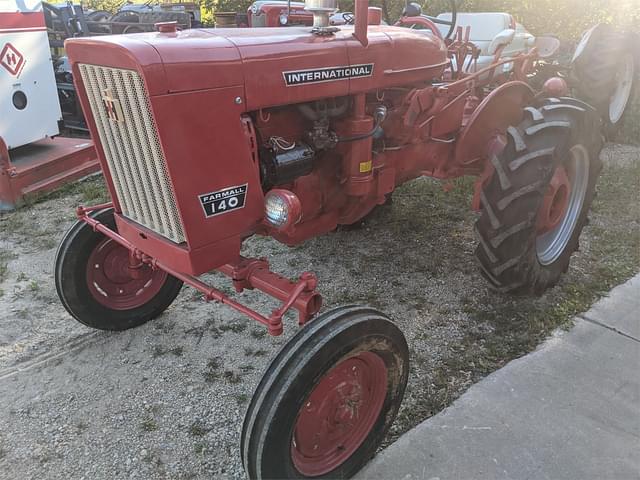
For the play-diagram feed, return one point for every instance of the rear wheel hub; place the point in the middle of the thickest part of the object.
(562, 205)
(554, 204)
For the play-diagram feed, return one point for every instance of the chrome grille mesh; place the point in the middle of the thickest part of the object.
(132, 149)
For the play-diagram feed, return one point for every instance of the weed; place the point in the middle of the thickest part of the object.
(241, 398)
(177, 351)
(34, 287)
(232, 377)
(235, 327)
(158, 351)
(198, 430)
(22, 277)
(199, 448)
(258, 332)
(212, 372)
(148, 425)
(250, 352)
(5, 257)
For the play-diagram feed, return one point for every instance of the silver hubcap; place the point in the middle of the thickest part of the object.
(624, 81)
(551, 244)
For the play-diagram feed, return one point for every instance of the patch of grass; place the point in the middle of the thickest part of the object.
(149, 425)
(5, 257)
(258, 332)
(93, 192)
(212, 372)
(198, 430)
(209, 328)
(232, 377)
(241, 398)
(235, 327)
(503, 327)
(199, 448)
(22, 277)
(250, 352)
(165, 326)
(159, 351)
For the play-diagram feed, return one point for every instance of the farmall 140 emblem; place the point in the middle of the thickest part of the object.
(11, 59)
(112, 106)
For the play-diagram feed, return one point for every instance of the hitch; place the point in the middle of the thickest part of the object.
(246, 273)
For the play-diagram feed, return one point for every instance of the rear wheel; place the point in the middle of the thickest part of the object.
(327, 400)
(96, 286)
(605, 67)
(536, 203)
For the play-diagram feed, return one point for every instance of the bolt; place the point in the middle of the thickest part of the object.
(238, 100)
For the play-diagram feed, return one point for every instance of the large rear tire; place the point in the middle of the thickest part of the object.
(94, 284)
(536, 203)
(605, 67)
(327, 400)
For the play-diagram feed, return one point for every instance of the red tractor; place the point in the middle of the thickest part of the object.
(207, 137)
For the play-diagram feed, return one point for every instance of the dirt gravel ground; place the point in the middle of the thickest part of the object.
(167, 400)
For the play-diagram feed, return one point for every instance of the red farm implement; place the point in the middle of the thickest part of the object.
(208, 137)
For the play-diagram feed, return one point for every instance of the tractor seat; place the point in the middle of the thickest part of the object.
(485, 26)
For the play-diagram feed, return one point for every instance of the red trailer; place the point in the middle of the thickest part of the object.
(31, 159)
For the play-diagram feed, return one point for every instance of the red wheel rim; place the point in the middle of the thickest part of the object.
(110, 279)
(555, 202)
(339, 414)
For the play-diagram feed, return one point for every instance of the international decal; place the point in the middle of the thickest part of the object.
(329, 74)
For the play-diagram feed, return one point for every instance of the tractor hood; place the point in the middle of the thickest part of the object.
(276, 66)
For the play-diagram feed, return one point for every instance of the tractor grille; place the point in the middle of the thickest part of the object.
(129, 138)
(258, 20)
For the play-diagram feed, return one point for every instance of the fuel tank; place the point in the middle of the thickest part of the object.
(276, 66)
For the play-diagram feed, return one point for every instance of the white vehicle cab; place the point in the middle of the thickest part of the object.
(490, 31)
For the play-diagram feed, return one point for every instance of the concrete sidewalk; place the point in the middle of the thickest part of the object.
(569, 410)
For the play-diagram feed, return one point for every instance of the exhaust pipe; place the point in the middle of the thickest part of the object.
(321, 10)
(362, 21)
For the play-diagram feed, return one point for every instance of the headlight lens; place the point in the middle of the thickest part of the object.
(282, 209)
(284, 19)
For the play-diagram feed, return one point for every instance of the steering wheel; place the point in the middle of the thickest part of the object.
(349, 18)
(413, 9)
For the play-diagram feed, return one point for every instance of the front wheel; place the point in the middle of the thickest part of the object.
(535, 205)
(96, 286)
(327, 400)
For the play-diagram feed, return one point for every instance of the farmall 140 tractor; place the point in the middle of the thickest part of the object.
(207, 137)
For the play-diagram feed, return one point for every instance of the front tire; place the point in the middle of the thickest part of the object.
(535, 205)
(327, 399)
(94, 285)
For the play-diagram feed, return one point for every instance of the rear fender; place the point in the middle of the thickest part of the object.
(501, 109)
